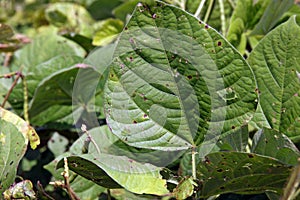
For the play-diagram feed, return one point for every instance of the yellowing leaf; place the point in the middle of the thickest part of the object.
(27, 131)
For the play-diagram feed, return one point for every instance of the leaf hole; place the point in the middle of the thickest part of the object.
(220, 170)
(219, 43)
(250, 155)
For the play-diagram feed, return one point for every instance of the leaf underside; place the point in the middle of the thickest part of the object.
(176, 82)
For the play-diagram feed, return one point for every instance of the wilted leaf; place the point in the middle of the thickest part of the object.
(22, 190)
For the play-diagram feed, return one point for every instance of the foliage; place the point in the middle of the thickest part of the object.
(146, 101)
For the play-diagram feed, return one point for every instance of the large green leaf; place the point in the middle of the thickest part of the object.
(174, 81)
(44, 47)
(276, 145)
(33, 57)
(236, 172)
(133, 176)
(14, 137)
(275, 62)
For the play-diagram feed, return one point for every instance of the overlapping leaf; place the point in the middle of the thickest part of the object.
(235, 172)
(275, 62)
(274, 144)
(174, 81)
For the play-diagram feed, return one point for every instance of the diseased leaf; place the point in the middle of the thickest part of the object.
(271, 143)
(275, 62)
(21, 190)
(243, 173)
(6, 32)
(176, 81)
(22, 126)
(14, 136)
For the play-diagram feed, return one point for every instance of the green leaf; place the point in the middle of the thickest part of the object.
(192, 5)
(86, 189)
(107, 31)
(271, 143)
(48, 68)
(175, 81)
(236, 141)
(275, 62)
(272, 14)
(13, 145)
(126, 8)
(70, 17)
(223, 172)
(259, 120)
(133, 176)
(53, 98)
(245, 16)
(44, 47)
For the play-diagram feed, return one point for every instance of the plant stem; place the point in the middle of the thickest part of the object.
(222, 16)
(293, 183)
(19, 75)
(207, 14)
(67, 186)
(25, 91)
(194, 163)
(89, 137)
(232, 4)
(198, 11)
(108, 194)
(9, 75)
